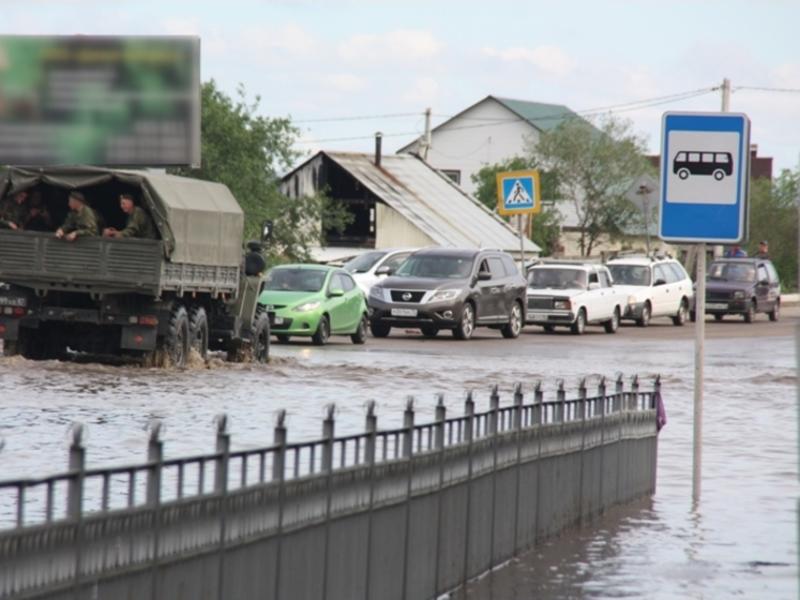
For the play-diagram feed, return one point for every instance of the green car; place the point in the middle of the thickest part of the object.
(314, 301)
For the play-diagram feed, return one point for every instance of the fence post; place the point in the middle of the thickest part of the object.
(619, 392)
(538, 404)
(519, 400)
(371, 428)
(561, 401)
(601, 393)
(155, 456)
(408, 451)
(278, 477)
(580, 413)
(494, 407)
(441, 416)
(582, 400)
(656, 391)
(328, 431)
(634, 402)
(469, 433)
(77, 468)
(223, 448)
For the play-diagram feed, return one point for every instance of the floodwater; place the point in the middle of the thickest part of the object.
(740, 541)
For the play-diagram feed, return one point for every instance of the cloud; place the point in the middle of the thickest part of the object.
(345, 82)
(425, 90)
(550, 59)
(287, 41)
(403, 45)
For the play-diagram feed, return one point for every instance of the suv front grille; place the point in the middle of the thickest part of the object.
(540, 303)
(718, 296)
(407, 296)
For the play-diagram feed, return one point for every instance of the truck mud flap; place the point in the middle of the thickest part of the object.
(138, 338)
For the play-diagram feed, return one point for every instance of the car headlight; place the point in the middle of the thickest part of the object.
(631, 299)
(738, 295)
(308, 306)
(376, 292)
(444, 295)
(561, 304)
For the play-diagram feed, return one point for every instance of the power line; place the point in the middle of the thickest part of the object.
(767, 89)
(358, 118)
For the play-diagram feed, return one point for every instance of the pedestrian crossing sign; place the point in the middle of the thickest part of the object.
(518, 192)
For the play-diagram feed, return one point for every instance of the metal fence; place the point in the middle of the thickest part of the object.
(133, 529)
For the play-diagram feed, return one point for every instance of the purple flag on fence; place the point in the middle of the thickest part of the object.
(661, 413)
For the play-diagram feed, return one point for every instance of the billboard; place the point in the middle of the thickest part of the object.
(113, 101)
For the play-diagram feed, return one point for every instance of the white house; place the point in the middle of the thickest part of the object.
(488, 132)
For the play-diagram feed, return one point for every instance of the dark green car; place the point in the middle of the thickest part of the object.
(313, 301)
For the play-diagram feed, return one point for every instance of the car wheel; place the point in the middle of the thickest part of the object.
(323, 332)
(379, 330)
(198, 331)
(718, 317)
(282, 338)
(775, 313)
(719, 174)
(260, 339)
(644, 320)
(548, 328)
(750, 315)
(683, 173)
(511, 329)
(467, 325)
(429, 331)
(612, 325)
(360, 336)
(680, 319)
(579, 326)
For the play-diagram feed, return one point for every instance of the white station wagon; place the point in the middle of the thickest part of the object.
(562, 294)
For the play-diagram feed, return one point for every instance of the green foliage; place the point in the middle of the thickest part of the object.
(546, 225)
(246, 152)
(774, 217)
(592, 167)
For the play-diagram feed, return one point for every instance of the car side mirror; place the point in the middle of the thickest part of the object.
(335, 293)
(484, 276)
(763, 282)
(660, 282)
(594, 286)
(385, 270)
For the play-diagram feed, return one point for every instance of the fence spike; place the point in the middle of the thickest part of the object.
(439, 399)
(280, 418)
(330, 410)
(371, 408)
(156, 428)
(560, 385)
(518, 388)
(538, 386)
(221, 421)
(409, 403)
(76, 431)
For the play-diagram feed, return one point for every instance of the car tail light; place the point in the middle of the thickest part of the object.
(150, 320)
(19, 312)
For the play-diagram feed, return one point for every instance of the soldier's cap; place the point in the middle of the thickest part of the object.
(765, 242)
(78, 196)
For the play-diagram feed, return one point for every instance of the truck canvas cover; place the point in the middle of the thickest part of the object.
(199, 221)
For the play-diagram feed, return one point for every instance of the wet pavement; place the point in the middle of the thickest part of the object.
(739, 542)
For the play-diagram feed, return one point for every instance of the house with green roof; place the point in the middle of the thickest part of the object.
(490, 131)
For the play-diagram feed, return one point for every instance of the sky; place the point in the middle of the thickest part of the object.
(346, 69)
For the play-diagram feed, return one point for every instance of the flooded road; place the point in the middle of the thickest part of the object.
(739, 542)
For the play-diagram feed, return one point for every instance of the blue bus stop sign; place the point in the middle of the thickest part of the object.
(705, 177)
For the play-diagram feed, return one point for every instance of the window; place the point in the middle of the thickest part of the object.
(395, 261)
(484, 268)
(773, 274)
(708, 157)
(593, 278)
(660, 274)
(678, 274)
(694, 157)
(604, 281)
(436, 266)
(364, 262)
(556, 278)
(453, 175)
(496, 267)
(508, 263)
(723, 157)
(762, 273)
(347, 282)
(630, 274)
(680, 157)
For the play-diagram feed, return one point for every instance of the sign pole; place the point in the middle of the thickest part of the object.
(699, 344)
(521, 244)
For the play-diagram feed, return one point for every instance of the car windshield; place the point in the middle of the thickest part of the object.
(557, 278)
(287, 279)
(730, 271)
(630, 274)
(363, 263)
(436, 267)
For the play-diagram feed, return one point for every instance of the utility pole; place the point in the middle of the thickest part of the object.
(726, 95)
(426, 138)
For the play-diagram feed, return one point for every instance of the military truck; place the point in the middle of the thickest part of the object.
(149, 298)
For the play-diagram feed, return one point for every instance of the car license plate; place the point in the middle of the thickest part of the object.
(404, 312)
(278, 320)
(716, 305)
(534, 316)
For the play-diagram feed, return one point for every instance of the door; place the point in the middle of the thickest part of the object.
(596, 309)
(501, 280)
(774, 285)
(662, 304)
(487, 291)
(607, 293)
(763, 288)
(337, 305)
(354, 303)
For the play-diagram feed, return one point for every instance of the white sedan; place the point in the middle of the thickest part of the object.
(369, 268)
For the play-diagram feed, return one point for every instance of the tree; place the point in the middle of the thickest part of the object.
(593, 167)
(246, 152)
(546, 225)
(774, 217)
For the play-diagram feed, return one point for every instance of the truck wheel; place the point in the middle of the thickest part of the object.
(10, 348)
(323, 332)
(360, 336)
(260, 339)
(379, 330)
(177, 340)
(198, 331)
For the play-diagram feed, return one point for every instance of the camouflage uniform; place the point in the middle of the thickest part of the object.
(11, 212)
(82, 221)
(139, 225)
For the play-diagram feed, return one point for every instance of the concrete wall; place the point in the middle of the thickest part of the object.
(406, 528)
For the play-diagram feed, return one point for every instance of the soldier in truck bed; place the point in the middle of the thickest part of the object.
(81, 220)
(139, 224)
(14, 211)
